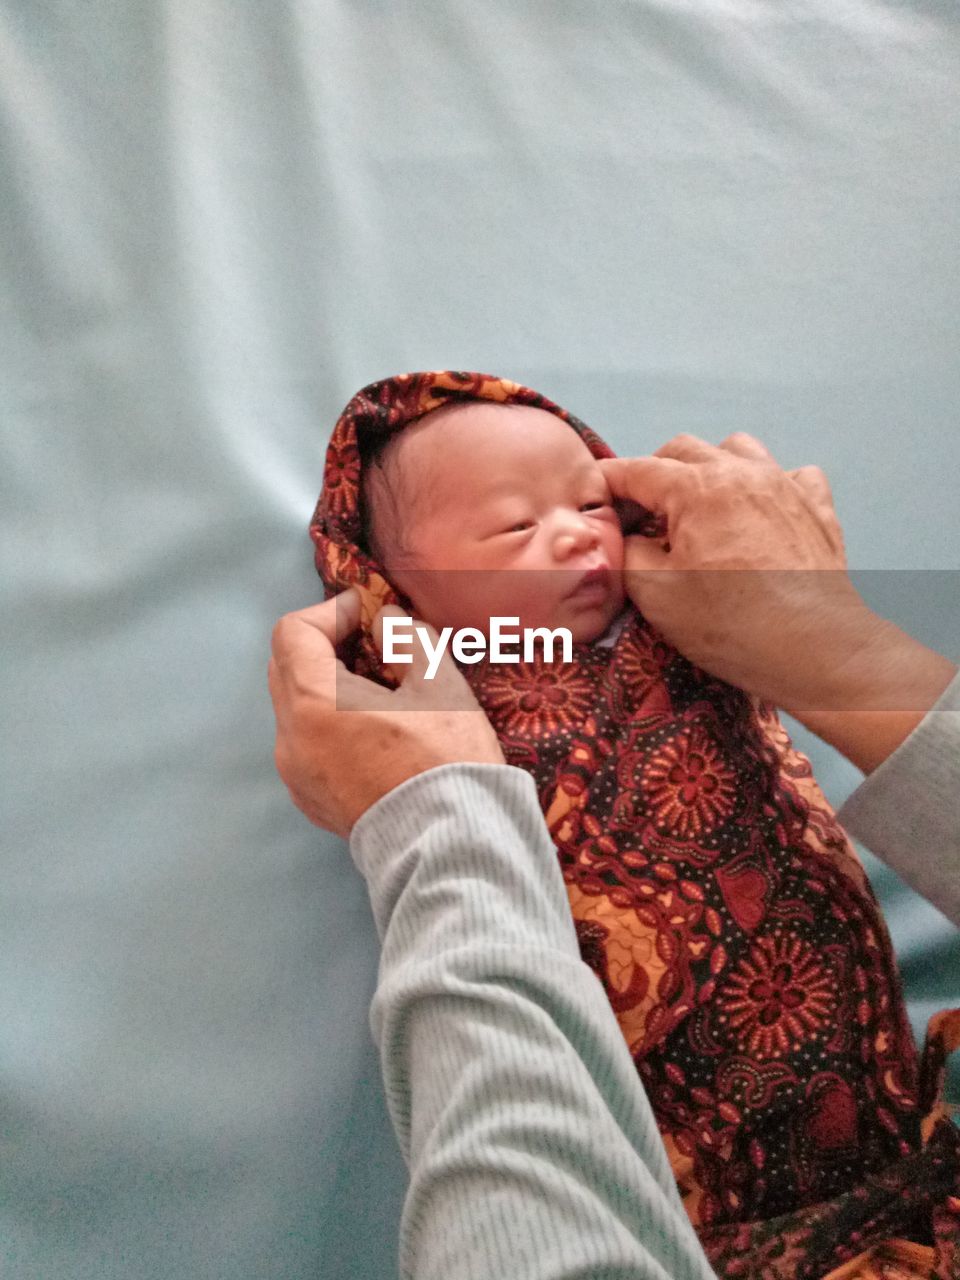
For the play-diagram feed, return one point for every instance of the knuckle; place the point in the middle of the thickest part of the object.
(709, 479)
(816, 479)
(685, 440)
(279, 635)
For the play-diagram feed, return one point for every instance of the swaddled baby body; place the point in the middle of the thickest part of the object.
(714, 894)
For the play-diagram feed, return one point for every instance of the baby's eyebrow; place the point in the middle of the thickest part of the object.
(515, 484)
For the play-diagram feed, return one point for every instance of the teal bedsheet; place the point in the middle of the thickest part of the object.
(219, 219)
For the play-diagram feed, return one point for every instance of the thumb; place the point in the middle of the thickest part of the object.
(644, 555)
(421, 649)
(650, 481)
(642, 558)
(405, 643)
(447, 687)
(445, 678)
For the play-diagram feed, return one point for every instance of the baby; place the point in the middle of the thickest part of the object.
(713, 892)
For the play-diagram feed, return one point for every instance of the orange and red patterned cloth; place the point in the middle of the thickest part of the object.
(723, 909)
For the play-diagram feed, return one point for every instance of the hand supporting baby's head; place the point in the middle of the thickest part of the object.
(482, 509)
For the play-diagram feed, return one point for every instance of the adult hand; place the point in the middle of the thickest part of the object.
(343, 741)
(752, 586)
(755, 558)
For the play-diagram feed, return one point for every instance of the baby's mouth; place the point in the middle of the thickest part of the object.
(595, 582)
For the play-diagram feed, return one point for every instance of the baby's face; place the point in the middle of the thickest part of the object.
(512, 512)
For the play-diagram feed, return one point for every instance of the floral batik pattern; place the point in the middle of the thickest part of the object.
(725, 913)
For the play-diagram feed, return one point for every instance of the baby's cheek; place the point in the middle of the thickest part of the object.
(614, 547)
(512, 593)
(508, 593)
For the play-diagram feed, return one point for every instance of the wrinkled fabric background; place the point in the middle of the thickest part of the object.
(219, 220)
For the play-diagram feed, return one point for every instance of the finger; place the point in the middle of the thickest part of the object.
(412, 645)
(446, 687)
(815, 487)
(311, 669)
(747, 446)
(304, 641)
(644, 555)
(302, 645)
(446, 675)
(351, 692)
(398, 671)
(687, 448)
(814, 484)
(450, 685)
(652, 482)
(336, 618)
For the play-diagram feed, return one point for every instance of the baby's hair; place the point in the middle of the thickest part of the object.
(383, 484)
(388, 492)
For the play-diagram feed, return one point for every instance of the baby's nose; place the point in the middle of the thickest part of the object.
(575, 533)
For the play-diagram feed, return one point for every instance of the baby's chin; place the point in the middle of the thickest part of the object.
(588, 622)
(585, 624)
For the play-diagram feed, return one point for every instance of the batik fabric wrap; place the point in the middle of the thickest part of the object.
(723, 909)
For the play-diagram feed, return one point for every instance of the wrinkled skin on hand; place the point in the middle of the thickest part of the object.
(343, 741)
(752, 578)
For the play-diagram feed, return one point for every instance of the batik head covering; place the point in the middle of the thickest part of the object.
(722, 908)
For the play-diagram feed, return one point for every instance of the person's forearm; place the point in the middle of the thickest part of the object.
(908, 810)
(873, 686)
(532, 1148)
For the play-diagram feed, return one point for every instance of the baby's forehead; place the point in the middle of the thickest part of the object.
(470, 455)
(478, 437)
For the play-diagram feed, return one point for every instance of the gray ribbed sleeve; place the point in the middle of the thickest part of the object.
(908, 810)
(532, 1149)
